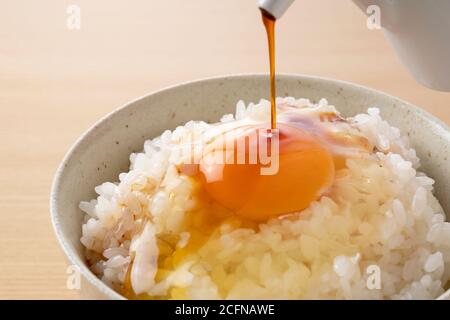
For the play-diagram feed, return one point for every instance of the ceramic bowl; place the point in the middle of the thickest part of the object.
(103, 151)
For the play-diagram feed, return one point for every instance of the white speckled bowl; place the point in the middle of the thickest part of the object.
(102, 152)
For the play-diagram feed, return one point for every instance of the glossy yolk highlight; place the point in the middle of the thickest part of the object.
(305, 171)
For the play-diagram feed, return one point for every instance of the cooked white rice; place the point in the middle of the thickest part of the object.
(380, 216)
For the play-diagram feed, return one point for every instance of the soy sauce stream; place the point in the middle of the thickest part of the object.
(269, 24)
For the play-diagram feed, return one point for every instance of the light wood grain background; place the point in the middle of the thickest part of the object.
(55, 83)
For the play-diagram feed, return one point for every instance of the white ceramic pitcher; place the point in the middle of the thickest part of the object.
(418, 30)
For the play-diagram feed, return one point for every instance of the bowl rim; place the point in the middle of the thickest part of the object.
(71, 255)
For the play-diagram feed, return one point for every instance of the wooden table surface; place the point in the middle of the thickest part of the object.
(56, 82)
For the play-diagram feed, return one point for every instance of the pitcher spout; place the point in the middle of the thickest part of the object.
(364, 4)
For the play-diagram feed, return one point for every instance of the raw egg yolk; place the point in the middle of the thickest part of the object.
(305, 170)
